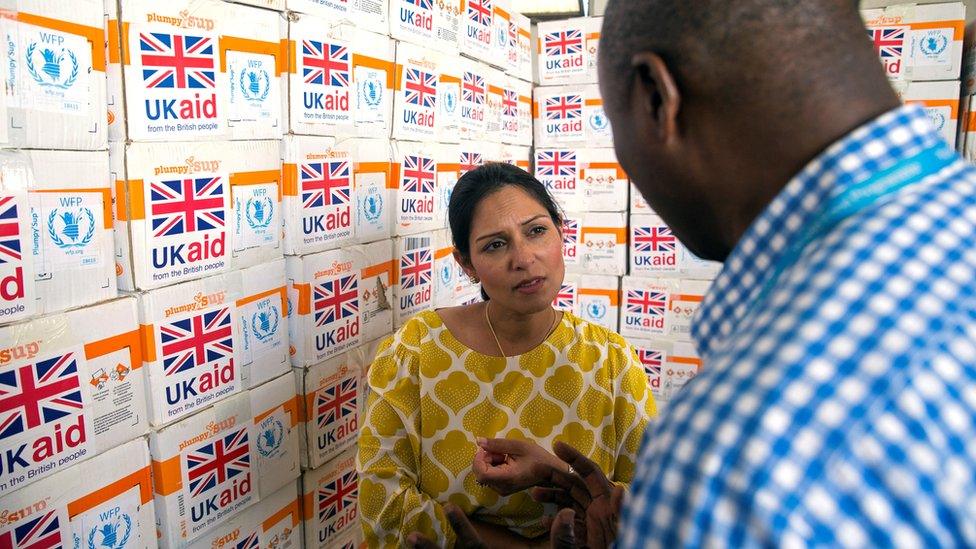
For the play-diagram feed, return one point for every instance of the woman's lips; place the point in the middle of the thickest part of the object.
(531, 285)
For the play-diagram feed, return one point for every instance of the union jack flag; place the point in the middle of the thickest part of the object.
(9, 230)
(564, 42)
(555, 163)
(566, 298)
(336, 299)
(415, 268)
(197, 340)
(177, 61)
(510, 103)
(186, 205)
(570, 232)
(654, 239)
(210, 465)
(422, 4)
(479, 11)
(250, 542)
(473, 88)
(563, 107)
(35, 394)
(470, 161)
(325, 184)
(647, 302)
(652, 360)
(42, 532)
(336, 402)
(334, 497)
(889, 42)
(421, 88)
(325, 64)
(418, 174)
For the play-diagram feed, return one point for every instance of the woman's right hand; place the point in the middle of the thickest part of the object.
(510, 465)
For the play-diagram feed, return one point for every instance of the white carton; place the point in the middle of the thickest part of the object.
(524, 46)
(510, 119)
(558, 170)
(517, 156)
(341, 81)
(656, 252)
(370, 15)
(104, 502)
(568, 298)
(655, 307)
(504, 37)
(524, 133)
(274, 521)
(603, 244)
(199, 70)
(478, 37)
(670, 364)
(205, 340)
(940, 101)
(416, 105)
(116, 167)
(277, 5)
(572, 237)
(413, 21)
(602, 181)
(653, 354)
(474, 100)
(918, 41)
(447, 26)
(451, 285)
(77, 389)
(330, 394)
(343, 298)
(571, 116)
(115, 92)
(682, 366)
(213, 465)
(509, 49)
(176, 218)
(495, 100)
(55, 74)
(413, 290)
(448, 119)
(637, 203)
(599, 300)
(330, 501)
(418, 208)
(567, 51)
(448, 173)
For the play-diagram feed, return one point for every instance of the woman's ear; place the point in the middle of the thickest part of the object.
(466, 266)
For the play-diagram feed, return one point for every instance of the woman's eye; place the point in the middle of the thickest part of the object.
(539, 230)
(494, 245)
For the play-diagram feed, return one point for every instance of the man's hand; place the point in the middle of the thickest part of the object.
(467, 537)
(509, 465)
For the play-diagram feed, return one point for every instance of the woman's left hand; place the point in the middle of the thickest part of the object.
(507, 465)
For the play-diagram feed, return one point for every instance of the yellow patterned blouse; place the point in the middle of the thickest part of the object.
(431, 397)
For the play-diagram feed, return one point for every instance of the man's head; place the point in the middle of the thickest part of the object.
(715, 104)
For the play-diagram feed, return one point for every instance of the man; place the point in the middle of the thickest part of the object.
(836, 403)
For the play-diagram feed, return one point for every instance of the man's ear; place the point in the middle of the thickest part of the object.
(656, 95)
(465, 264)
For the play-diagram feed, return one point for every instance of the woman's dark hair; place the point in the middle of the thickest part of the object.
(476, 185)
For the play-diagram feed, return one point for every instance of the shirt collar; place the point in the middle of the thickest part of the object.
(875, 146)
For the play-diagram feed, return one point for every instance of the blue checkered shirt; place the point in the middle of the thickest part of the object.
(841, 409)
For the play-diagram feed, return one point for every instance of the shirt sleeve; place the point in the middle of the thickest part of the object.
(391, 504)
(633, 408)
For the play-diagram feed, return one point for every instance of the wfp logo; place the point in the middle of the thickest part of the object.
(447, 275)
(938, 119)
(265, 324)
(372, 205)
(596, 310)
(57, 69)
(71, 229)
(933, 43)
(112, 532)
(599, 121)
(255, 84)
(371, 92)
(259, 212)
(272, 432)
(450, 100)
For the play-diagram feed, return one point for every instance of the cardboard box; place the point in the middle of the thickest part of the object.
(510, 118)
(558, 170)
(115, 92)
(370, 15)
(251, 439)
(524, 46)
(233, 89)
(654, 249)
(448, 173)
(413, 21)
(599, 300)
(918, 41)
(451, 286)
(941, 103)
(474, 100)
(603, 183)
(92, 358)
(524, 133)
(602, 247)
(653, 354)
(55, 74)
(656, 307)
(18, 289)
(208, 339)
(517, 156)
(670, 364)
(343, 299)
(415, 174)
(274, 521)
(447, 26)
(638, 205)
(568, 297)
(495, 101)
(478, 36)
(506, 32)
(330, 394)
(417, 100)
(448, 120)
(413, 289)
(103, 502)
(330, 501)
(471, 156)
(683, 365)
(571, 116)
(341, 84)
(176, 218)
(567, 51)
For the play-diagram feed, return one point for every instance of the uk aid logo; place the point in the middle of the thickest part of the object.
(180, 72)
(336, 313)
(219, 474)
(197, 357)
(337, 413)
(188, 223)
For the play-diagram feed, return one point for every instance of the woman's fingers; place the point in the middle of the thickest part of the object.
(562, 534)
(596, 482)
(505, 446)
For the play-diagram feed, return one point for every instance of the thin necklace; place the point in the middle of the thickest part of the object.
(552, 328)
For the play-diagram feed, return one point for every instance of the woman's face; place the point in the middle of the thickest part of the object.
(516, 251)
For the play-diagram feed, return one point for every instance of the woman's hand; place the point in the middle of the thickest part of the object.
(509, 466)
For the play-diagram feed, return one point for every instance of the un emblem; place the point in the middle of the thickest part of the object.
(372, 205)
(259, 212)
(938, 120)
(596, 310)
(450, 100)
(371, 92)
(272, 432)
(447, 274)
(71, 229)
(933, 43)
(58, 69)
(265, 324)
(255, 84)
(599, 121)
(112, 533)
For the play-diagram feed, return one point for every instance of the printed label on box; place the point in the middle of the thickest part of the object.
(269, 435)
(473, 97)
(653, 359)
(262, 326)
(572, 228)
(562, 54)
(67, 229)
(418, 182)
(335, 304)
(415, 19)
(647, 311)
(324, 68)
(42, 530)
(564, 118)
(336, 418)
(600, 184)
(370, 193)
(419, 101)
(654, 248)
(257, 221)
(326, 189)
(940, 117)
(56, 70)
(890, 43)
(558, 171)
(568, 298)
(597, 309)
(113, 524)
(416, 272)
(597, 125)
(253, 95)
(933, 47)
(213, 491)
(478, 23)
(450, 103)
(371, 95)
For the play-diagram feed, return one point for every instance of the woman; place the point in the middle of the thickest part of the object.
(511, 367)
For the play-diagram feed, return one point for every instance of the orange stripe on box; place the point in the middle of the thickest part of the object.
(289, 179)
(525, 32)
(604, 166)
(106, 200)
(387, 267)
(286, 49)
(501, 12)
(291, 408)
(114, 53)
(688, 297)
(304, 298)
(140, 478)
(308, 505)
(379, 64)
(148, 334)
(444, 252)
(95, 35)
(495, 90)
(535, 109)
(397, 77)
(953, 104)
(685, 360)
(291, 509)
(234, 43)
(958, 27)
(592, 35)
(395, 176)
(448, 79)
(120, 210)
(621, 234)
(594, 102)
(167, 477)
(448, 167)
(385, 168)
(256, 178)
(525, 99)
(136, 193)
(971, 122)
(613, 295)
(282, 291)
(124, 42)
(132, 340)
